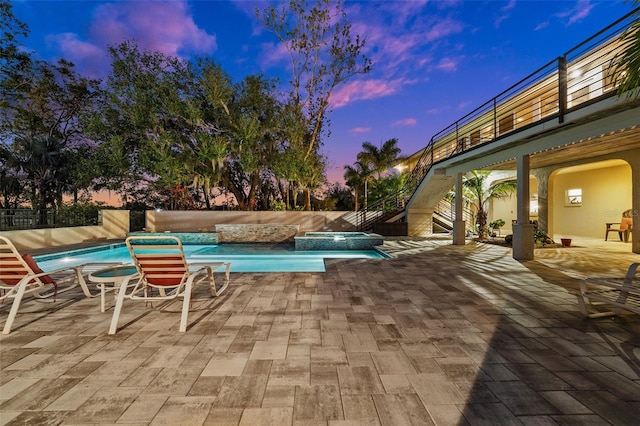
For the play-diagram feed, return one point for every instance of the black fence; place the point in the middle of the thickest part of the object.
(20, 219)
(136, 220)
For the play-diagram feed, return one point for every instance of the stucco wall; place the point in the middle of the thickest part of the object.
(606, 193)
(507, 208)
(115, 224)
(194, 221)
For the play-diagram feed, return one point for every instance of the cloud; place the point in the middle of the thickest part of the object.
(159, 26)
(447, 64)
(464, 105)
(504, 13)
(444, 28)
(358, 130)
(542, 26)
(404, 39)
(436, 111)
(362, 90)
(581, 10)
(405, 122)
(92, 60)
(273, 54)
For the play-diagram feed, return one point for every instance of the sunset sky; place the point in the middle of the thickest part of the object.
(433, 61)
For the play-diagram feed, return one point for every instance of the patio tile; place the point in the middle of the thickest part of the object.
(172, 381)
(104, 406)
(521, 399)
(489, 414)
(359, 380)
(279, 396)
(269, 350)
(320, 402)
(272, 416)
(607, 406)
(401, 409)
(396, 383)
(38, 395)
(74, 397)
(393, 363)
(143, 409)
(241, 392)
(225, 365)
(436, 389)
(14, 387)
(185, 411)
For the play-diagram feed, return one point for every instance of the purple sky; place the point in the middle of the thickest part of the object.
(433, 61)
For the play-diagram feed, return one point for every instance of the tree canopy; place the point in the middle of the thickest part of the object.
(173, 133)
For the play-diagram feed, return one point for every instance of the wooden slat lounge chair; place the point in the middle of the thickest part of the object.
(164, 274)
(20, 275)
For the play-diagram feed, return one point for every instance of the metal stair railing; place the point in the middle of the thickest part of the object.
(446, 210)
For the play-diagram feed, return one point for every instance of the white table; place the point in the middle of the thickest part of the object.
(115, 276)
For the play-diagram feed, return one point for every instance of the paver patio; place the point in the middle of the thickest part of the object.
(441, 334)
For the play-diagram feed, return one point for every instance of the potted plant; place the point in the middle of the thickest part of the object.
(541, 238)
(496, 225)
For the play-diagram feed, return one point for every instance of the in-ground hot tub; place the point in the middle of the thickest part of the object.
(337, 241)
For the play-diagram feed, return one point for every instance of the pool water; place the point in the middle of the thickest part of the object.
(243, 257)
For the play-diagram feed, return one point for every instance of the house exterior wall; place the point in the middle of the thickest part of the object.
(607, 192)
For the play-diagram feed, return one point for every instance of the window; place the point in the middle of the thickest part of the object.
(574, 197)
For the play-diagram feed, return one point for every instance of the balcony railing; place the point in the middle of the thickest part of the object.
(580, 77)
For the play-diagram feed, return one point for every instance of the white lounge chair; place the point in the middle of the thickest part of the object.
(20, 275)
(164, 274)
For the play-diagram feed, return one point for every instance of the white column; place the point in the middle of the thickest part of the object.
(459, 230)
(523, 244)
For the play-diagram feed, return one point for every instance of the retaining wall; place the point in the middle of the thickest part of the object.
(115, 225)
(206, 221)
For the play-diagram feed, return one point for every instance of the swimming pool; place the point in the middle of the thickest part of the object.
(243, 257)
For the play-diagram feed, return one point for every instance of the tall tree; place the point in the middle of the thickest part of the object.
(42, 158)
(10, 184)
(323, 54)
(356, 177)
(44, 123)
(254, 118)
(214, 91)
(148, 120)
(625, 66)
(479, 190)
(380, 159)
(13, 60)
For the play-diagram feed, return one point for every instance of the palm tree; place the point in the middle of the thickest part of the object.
(357, 176)
(42, 161)
(625, 66)
(379, 159)
(478, 191)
